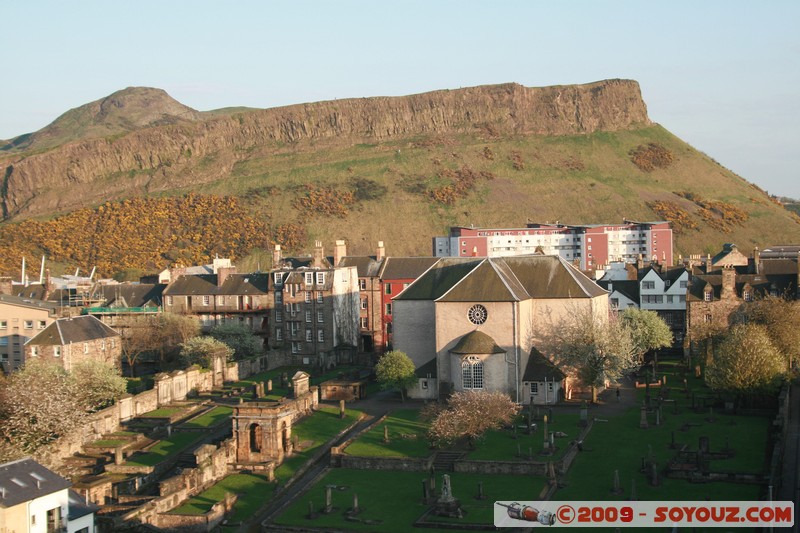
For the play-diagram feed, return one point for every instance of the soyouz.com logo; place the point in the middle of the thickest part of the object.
(643, 514)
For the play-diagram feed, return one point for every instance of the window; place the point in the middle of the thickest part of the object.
(42, 324)
(56, 351)
(309, 278)
(707, 296)
(113, 343)
(320, 316)
(294, 327)
(364, 303)
(648, 284)
(682, 285)
(295, 347)
(707, 318)
(424, 384)
(320, 335)
(28, 324)
(308, 315)
(652, 298)
(682, 298)
(279, 297)
(364, 322)
(278, 315)
(103, 344)
(362, 284)
(472, 373)
(3, 341)
(405, 285)
(320, 278)
(308, 297)
(477, 314)
(387, 288)
(309, 335)
(220, 300)
(614, 303)
(667, 283)
(206, 300)
(388, 309)
(670, 299)
(747, 295)
(3, 324)
(320, 297)
(169, 300)
(278, 277)
(534, 388)
(85, 347)
(278, 334)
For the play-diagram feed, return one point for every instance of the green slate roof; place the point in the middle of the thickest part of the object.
(476, 342)
(540, 368)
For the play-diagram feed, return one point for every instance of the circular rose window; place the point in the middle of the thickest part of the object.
(477, 314)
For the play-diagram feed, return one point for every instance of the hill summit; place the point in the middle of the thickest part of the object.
(120, 112)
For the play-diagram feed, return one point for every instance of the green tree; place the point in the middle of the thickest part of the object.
(395, 370)
(746, 362)
(781, 317)
(98, 384)
(470, 414)
(202, 350)
(240, 338)
(648, 330)
(599, 348)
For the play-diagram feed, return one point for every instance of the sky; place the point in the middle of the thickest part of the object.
(722, 75)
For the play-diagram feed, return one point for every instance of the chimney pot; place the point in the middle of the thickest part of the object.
(381, 251)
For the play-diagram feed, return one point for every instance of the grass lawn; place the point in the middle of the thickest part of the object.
(275, 375)
(500, 445)
(162, 412)
(406, 437)
(251, 488)
(312, 432)
(210, 418)
(164, 449)
(109, 443)
(619, 444)
(395, 498)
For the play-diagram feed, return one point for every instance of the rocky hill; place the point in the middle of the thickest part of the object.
(398, 169)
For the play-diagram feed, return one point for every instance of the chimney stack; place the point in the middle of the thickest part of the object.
(6, 286)
(380, 253)
(276, 256)
(339, 251)
(319, 255)
(223, 273)
(728, 283)
(756, 260)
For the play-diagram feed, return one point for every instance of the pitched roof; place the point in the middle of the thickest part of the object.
(367, 267)
(501, 279)
(760, 283)
(627, 288)
(25, 480)
(254, 283)
(405, 267)
(131, 294)
(539, 368)
(476, 342)
(427, 370)
(78, 506)
(27, 302)
(76, 329)
(785, 251)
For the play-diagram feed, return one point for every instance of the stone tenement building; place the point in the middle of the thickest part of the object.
(69, 341)
(21, 319)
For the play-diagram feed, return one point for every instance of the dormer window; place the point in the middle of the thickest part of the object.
(747, 295)
(278, 277)
(309, 278)
(320, 278)
(707, 296)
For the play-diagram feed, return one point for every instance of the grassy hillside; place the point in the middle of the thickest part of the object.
(406, 191)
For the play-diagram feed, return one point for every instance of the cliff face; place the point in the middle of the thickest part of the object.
(164, 157)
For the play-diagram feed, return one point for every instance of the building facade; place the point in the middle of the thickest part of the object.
(587, 245)
(70, 341)
(20, 320)
(481, 319)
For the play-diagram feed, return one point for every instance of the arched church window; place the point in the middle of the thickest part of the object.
(472, 373)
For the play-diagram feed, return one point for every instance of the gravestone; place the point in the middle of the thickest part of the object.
(328, 500)
(312, 514)
(616, 488)
(584, 415)
(643, 418)
(425, 495)
(447, 504)
(654, 481)
(269, 385)
(481, 495)
(530, 416)
(386, 434)
(704, 445)
(355, 509)
(341, 409)
(672, 445)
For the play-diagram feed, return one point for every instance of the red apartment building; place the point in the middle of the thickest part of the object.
(590, 245)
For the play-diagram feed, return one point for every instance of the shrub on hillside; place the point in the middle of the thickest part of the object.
(648, 157)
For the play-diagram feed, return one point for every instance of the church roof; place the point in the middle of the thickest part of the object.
(476, 342)
(500, 279)
(540, 368)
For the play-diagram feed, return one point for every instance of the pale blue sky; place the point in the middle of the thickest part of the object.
(722, 75)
